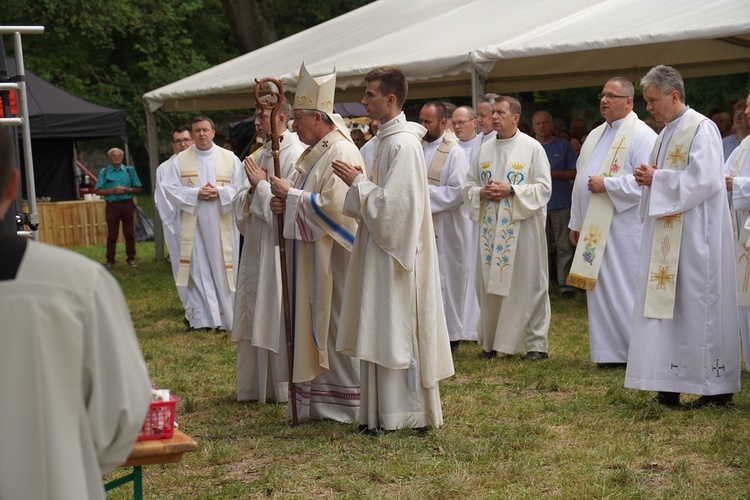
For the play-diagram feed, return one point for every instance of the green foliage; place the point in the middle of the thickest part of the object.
(293, 16)
(111, 52)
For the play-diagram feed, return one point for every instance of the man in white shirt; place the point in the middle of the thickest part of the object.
(605, 210)
(200, 184)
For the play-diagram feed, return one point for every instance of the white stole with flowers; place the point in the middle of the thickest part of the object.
(499, 231)
(598, 219)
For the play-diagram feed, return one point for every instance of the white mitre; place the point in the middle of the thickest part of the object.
(317, 94)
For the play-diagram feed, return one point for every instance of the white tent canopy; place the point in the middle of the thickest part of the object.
(466, 47)
(515, 46)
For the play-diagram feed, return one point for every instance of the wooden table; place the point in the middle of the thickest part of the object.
(152, 452)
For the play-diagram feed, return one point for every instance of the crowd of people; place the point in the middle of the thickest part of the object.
(396, 250)
(437, 232)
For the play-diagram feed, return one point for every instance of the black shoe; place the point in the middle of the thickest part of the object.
(454, 346)
(109, 265)
(567, 295)
(489, 354)
(671, 399)
(611, 366)
(535, 355)
(718, 400)
(132, 263)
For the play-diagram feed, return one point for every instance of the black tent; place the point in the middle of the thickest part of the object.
(57, 120)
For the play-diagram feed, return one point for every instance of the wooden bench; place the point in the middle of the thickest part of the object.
(152, 452)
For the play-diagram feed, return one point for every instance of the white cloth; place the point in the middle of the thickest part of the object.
(740, 197)
(167, 214)
(698, 351)
(518, 322)
(610, 304)
(328, 385)
(454, 233)
(471, 305)
(487, 137)
(73, 382)
(368, 150)
(392, 314)
(472, 147)
(258, 326)
(208, 300)
(729, 144)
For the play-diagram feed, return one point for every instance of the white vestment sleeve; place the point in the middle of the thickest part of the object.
(296, 225)
(471, 189)
(392, 212)
(676, 191)
(532, 196)
(227, 193)
(116, 383)
(182, 197)
(448, 195)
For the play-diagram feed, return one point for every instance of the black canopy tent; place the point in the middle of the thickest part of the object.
(57, 119)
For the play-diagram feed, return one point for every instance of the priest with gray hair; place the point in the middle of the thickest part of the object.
(685, 328)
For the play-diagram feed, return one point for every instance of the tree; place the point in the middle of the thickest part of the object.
(141, 45)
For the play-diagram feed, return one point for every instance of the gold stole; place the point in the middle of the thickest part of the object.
(498, 231)
(667, 237)
(189, 177)
(598, 219)
(742, 252)
(438, 163)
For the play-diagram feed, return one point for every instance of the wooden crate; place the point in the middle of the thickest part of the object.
(73, 223)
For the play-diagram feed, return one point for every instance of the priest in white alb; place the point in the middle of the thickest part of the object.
(392, 318)
(327, 383)
(447, 165)
(258, 326)
(685, 332)
(506, 192)
(464, 121)
(181, 140)
(605, 225)
(737, 171)
(200, 184)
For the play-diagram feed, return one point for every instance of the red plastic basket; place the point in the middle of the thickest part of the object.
(159, 422)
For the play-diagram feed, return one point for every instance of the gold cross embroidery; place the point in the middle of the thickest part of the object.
(662, 278)
(676, 155)
(669, 219)
(617, 149)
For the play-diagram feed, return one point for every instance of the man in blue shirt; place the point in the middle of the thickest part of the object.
(118, 184)
(562, 162)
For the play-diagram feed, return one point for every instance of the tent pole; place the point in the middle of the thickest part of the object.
(153, 162)
(23, 110)
(477, 87)
(127, 151)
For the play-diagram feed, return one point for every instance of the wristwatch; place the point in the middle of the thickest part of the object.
(512, 191)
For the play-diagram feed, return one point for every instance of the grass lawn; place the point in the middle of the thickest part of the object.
(513, 429)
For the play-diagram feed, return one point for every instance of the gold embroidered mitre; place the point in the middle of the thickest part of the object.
(315, 93)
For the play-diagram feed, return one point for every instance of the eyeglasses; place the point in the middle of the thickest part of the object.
(182, 141)
(460, 123)
(612, 96)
